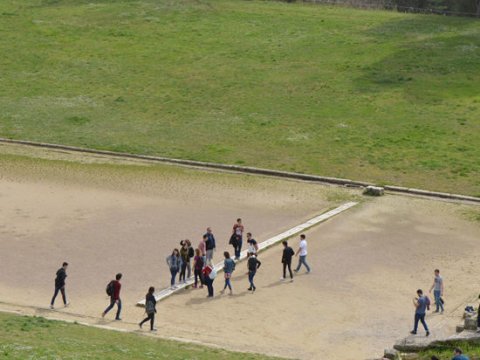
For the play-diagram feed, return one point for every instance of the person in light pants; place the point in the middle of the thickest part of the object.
(302, 252)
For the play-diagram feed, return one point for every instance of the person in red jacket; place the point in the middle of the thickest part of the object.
(115, 297)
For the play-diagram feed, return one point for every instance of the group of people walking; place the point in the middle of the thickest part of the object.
(185, 260)
(422, 303)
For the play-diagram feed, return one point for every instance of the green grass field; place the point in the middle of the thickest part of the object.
(367, 95)
(23, 337)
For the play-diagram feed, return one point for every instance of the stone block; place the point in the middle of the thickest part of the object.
(390, 354)
(470, 323)
(374, 191)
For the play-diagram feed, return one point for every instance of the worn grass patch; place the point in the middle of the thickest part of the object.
(368, 95)
(23, 337)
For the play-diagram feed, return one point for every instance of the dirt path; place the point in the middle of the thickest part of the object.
(105, 218)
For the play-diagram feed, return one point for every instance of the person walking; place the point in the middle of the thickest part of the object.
(174, 263)
(238, 232)
(228, 268)
(252, 245)
(60, 285)
(209, 274)
(422, 304)
(287, 256)
(437, 288)
(198, 262)
(115, 297)
(302, 251)
(253, 264)
(185, 261)
(150, 308)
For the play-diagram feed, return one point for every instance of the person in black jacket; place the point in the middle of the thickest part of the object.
(287, 260)
(60, 285)
(150, 308)
(253, 264)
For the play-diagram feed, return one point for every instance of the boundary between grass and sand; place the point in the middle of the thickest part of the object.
(249, 170)
(167, 292)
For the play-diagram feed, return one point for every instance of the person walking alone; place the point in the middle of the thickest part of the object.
(302, 251)
(115, 296)
(437, 288)
(252, 244)
(191, 254)
(150, 308)
(422, 304)
(228, 268)
(253, 264)
(238, 232)
(287, 260)
(174, 263)
(60, 285)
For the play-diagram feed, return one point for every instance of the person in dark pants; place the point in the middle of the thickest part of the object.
(115, 297)
(238, 232)
(185, 261)
(210, 245)
(150, 308)
(287, 260)
(422, 303)
(253, 264)
(60, 285)
(197, 268)
(209, 275)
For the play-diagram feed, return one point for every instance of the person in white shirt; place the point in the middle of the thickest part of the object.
(302, 251)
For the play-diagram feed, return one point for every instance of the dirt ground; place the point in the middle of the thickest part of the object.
(105, 217)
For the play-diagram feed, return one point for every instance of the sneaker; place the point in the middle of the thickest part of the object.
(51, 307)
(413, 332)
(428, 333)
(291, 280)
(282, 279)
(436, 311)
(308, 272)
(249, 289)
(118, 319)
(67, 304)
(295, 270)
(103, 315)
(253, 290)
(153, 329)
(140, 325)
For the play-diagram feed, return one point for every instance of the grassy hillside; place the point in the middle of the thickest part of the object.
(24, 337)
(368, 95)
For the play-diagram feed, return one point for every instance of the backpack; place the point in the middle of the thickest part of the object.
(110, 288)
(427, 301)
(191, 253)
(150, 307)
(213, 274)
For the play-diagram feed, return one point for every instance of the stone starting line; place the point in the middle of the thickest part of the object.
(163, 294)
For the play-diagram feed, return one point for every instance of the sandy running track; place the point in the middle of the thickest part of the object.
(367, 263)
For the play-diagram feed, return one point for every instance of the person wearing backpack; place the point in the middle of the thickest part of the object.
(287, 260)
(228, 268)
(198, 262)
(422, 304)
(238, 229)
(61, 275)
(150, 308)
(185, 261)
(113, 289)
(174, 263)
(209, 275)
(253, 264)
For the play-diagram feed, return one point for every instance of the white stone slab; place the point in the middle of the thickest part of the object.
(163, 294)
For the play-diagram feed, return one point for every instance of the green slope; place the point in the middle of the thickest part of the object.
(368, 95)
